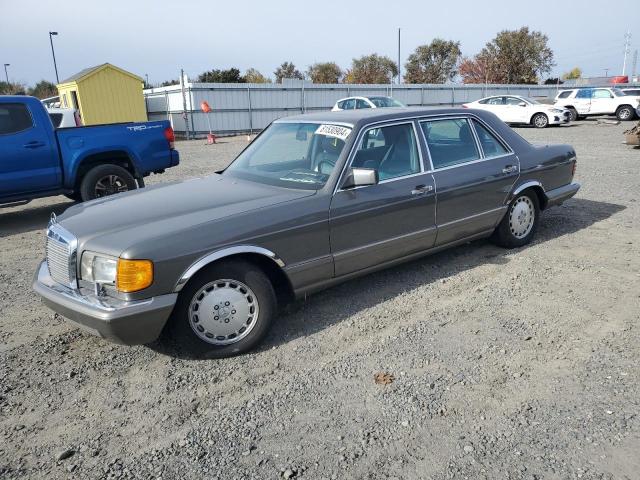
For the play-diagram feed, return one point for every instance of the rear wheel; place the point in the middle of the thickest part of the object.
(540, 120)
(105, 180)
(225, 310)
(625, 112)
(520, 223)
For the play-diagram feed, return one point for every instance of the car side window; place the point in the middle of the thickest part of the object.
(513, 101)
(392, 150)
(341, 105)
(450, 141)
(565, 94)
(495, 101)
(14, 118)
(491, 146)
(602, 94)
(585, 93)
(360, 103)
(349, 104)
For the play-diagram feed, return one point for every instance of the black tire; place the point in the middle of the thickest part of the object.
(625, 112)
(113, 178)
(573, 114)
(504, 234)
(179, 330)
(540, 120)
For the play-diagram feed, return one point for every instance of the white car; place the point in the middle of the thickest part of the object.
(515, 109)
(584, 102)
(64, 117)
(633, 91)
(351, 103)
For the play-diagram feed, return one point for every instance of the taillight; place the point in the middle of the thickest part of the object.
(574, 167)
(76, 117)
(170, 136)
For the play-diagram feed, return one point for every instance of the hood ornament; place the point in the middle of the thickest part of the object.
(54, 219)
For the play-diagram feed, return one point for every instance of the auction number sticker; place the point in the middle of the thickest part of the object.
(334, 131)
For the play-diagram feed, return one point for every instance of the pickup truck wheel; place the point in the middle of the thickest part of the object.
(520, 223)
(625, 112)
(540, 120)
(225, 310)
(105, 180)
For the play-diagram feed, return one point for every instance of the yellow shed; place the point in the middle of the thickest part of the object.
(104, 94)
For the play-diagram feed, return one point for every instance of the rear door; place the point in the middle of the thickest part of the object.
(29, 160)
(473, 170)
(582, 101)
(395, 218)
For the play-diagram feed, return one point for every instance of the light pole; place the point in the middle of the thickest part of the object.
(146, 80)
(53, 53)
(5, 71)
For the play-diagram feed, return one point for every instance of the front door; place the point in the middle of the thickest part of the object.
(29, 162)
(473, 177)
(395, 218)
(602, 101)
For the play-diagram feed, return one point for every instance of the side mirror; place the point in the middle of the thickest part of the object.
(522, 104)
(360, 177)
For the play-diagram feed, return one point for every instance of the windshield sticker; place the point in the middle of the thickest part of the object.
(334, 131)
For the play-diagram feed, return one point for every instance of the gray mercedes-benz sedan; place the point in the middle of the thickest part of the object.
(314, 200)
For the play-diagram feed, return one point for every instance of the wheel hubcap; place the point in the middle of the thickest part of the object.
(110, 184)
(521, 217)
(625, 113)
(223, 312)
(540, 121)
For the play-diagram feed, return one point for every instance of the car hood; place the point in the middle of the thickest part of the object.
(111, 224)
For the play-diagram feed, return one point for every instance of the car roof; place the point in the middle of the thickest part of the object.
(371, 115)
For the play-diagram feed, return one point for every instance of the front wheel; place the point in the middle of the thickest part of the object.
(624, 113)
(573, 114)
(520, 223)
(225, 310)
(105, 180)
(540, 120)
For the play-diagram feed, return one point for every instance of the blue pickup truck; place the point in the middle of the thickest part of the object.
(82, 163)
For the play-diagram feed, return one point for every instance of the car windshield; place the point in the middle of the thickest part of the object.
(292, 155)
(382, 102)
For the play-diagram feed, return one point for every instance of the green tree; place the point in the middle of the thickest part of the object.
(287, 70)
(521, 56)
(572, 74)
(231, 75)
(254, 76)
(553, 81)
(168, 83)
(325, 72)
(372, 68)
(12, 88)
(433, 63)
(43, 89)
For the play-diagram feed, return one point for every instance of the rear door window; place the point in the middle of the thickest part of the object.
(360, 103)
(450, 141)
(491, 146)
(349, 104)
(14, 118)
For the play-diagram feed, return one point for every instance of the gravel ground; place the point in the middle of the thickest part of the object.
(519, 364)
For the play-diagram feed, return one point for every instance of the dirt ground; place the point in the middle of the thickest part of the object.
(519, 364)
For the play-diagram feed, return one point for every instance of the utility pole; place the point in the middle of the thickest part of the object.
(184, 104)
(627, 48)
(399, 74)
(53, 53)
(634, 64)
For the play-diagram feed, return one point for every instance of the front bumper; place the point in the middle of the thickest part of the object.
(559, 118)
(125, 322)
(559, 195)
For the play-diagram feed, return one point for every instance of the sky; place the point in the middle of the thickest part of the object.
(160, 37)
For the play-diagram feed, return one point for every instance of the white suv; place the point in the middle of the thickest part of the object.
(583, 102)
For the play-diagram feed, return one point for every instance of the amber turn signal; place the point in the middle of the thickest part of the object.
(134, 275)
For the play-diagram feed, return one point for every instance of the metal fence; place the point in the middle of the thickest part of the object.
(249, 107)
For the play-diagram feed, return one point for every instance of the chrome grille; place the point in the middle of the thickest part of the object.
(61, 255)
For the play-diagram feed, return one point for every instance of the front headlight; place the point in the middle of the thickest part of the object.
(556, 110)
(98, 268)
(126, 275)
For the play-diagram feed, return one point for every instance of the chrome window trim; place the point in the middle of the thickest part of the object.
(318, 122)
(355, 146)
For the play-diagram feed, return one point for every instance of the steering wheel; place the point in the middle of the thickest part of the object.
(319, 168)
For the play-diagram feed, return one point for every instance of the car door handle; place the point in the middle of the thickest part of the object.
(34, 144)
(421, 189)
(509, 169)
